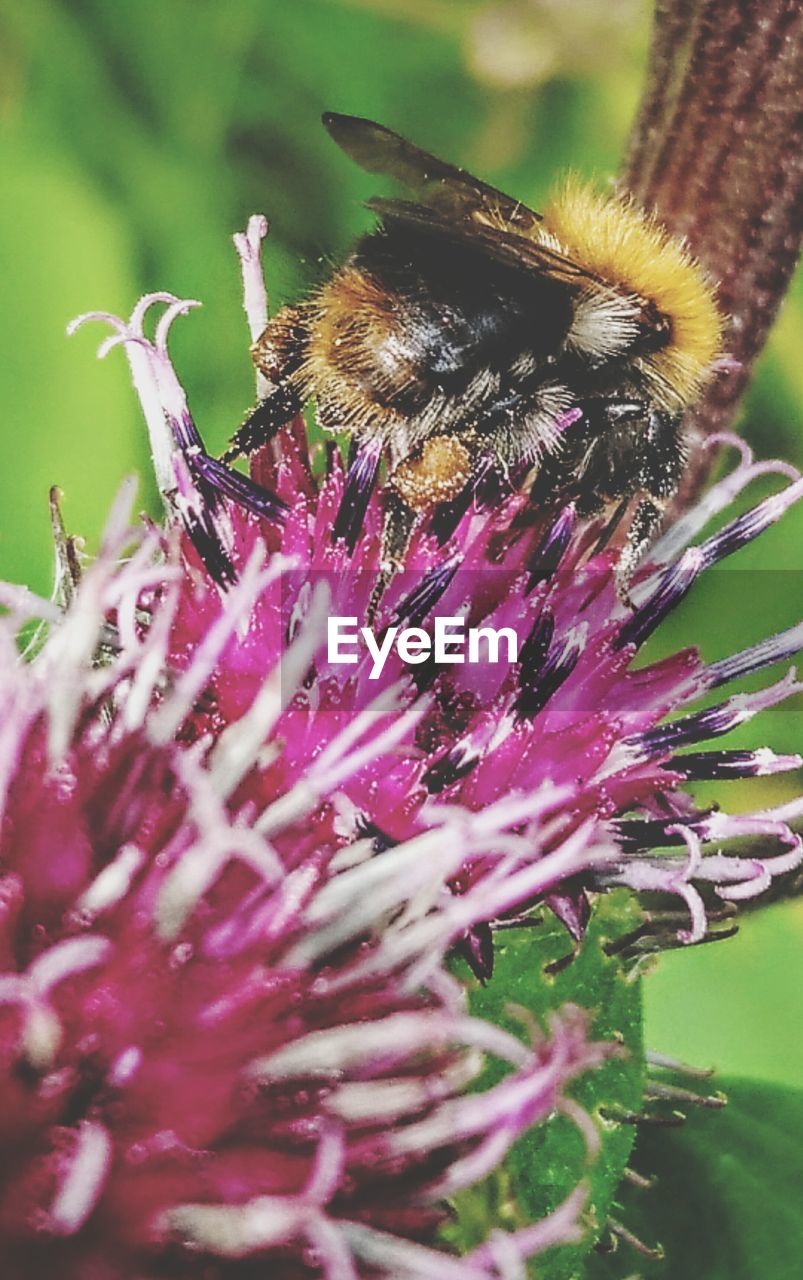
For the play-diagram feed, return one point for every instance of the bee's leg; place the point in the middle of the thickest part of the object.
(278, 354)
(397, 529)
(645, 523)
(662, 456)
(280, 405)
(435, 472)
(631, 450)
(612, 525)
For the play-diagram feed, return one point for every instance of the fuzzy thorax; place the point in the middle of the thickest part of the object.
(611, 237)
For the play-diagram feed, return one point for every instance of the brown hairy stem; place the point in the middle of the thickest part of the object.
(717, 151)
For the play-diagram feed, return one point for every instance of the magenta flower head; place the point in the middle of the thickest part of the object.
(227, 1042)
(235, 867)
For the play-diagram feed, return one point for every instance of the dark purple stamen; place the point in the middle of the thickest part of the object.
(675, 583)
(490, 485)
(484, 486)
(233, 484)
(700, 765)
(543, 668)
(416, 605)
(186, 435)
(775, 649)
(456, 764)
(747, 527)
(200, 526)
(477, 949)
(360, 479)
(551, 549)
(536, 646)
(447, 515)
(634, 835)
(710, 723)
(368, 830)
(215, 477)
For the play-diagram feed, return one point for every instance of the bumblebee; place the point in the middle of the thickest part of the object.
(467, 331)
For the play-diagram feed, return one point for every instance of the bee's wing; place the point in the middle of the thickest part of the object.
(507, 247)
(436, 184)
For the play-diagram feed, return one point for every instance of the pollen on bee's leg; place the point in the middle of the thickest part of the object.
(646, 521)
(434, 473)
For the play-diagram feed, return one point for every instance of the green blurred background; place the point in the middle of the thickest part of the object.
(137, 138)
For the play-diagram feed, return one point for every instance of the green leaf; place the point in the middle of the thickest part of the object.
(725, 1204)
(548, 1162)
(737, 1006)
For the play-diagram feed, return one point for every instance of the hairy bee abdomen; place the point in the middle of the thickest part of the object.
(412, 326)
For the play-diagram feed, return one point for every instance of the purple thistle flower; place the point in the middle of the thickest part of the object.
(570, 720)
(227, 1033)
(233, 868)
